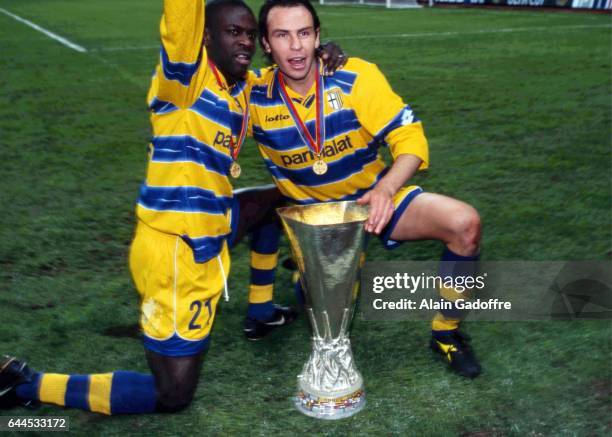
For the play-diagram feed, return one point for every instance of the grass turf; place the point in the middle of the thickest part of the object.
(519, 126)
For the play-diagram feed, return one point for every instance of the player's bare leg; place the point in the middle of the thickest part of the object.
(436, 217)
(257, 207)
(176, 379)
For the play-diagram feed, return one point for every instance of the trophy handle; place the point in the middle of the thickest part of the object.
(328, 332)
(313, 323)
(345, 322)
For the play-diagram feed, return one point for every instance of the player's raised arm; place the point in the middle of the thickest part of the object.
(387, 118)
(181, 55)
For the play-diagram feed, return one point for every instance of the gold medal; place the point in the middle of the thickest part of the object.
(234, 145)
(319, 167)
(314, 144)
(235, 170)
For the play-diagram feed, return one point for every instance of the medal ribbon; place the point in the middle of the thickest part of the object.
(315, 144)
(234, 146)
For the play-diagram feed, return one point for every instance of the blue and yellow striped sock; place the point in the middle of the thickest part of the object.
(453, 265)
(109, 393)
(264, 259)
(261, 289)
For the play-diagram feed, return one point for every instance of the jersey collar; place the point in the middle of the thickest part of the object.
(234, 89)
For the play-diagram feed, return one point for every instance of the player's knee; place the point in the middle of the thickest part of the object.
(467, 229)
(172, 399)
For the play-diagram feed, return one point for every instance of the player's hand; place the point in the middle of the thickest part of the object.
(332, 57)
(381, 209)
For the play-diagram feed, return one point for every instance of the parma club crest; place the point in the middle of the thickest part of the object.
(334, 99)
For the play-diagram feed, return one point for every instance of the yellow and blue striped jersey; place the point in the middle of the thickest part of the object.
(362, 113)
(187, 191)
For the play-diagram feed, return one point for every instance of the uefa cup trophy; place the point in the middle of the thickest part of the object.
(327, 240)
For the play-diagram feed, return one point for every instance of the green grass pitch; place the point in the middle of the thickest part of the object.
(516, 105)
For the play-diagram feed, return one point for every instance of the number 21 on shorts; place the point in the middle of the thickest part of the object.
(196, 308)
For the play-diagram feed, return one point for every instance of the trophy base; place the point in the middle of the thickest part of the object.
(330, 408)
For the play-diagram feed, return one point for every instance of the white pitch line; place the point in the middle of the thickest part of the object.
(410, 35)
(126, 48)
(475, 32)
(50, 34)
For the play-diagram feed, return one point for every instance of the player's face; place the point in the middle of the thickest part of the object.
(292, 40)
(230, 41)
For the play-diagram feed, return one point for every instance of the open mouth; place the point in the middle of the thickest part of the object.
(297, 63)
(243, 58)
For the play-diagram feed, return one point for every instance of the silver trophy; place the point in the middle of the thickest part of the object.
(327, 240)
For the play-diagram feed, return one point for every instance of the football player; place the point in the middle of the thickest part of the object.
(188, 217)
(319, 137)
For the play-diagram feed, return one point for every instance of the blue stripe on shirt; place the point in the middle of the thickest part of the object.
(337, 123)
(179, 71)
(187, 149)
(182, 199)
(238, 88)
(161, 106)
(336, 171)
(217, 110)
(342, 79)
(404, 117)
(353, 196)
(259, 97)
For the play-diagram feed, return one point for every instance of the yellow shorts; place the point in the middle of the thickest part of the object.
(401, 200)
(178, 296)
